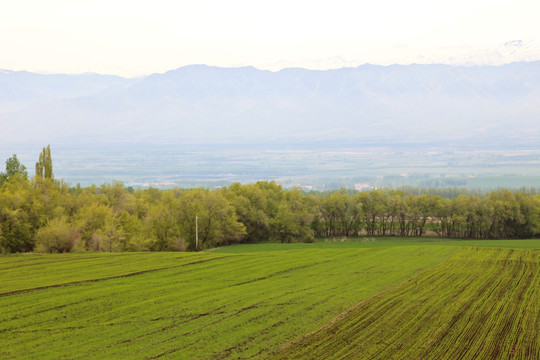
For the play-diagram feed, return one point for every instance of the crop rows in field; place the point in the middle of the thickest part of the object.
(25, 272)
(480, 304)
(191, 305)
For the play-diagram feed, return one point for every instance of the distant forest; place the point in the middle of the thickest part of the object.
(47, 215)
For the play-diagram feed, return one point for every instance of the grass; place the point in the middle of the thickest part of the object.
(381, 241)
(249, 301)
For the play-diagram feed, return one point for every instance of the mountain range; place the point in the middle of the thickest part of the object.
(199, 103)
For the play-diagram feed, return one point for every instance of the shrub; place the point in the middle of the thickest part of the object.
(57, 236)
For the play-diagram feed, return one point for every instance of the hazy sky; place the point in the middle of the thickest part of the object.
(131, 37)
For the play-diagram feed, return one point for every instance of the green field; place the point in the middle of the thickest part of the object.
(388, 298)
(480, 304)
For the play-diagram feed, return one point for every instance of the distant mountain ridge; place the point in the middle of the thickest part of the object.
(205, 103)
(19, 89)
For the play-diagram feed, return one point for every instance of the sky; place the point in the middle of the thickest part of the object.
(134, 38)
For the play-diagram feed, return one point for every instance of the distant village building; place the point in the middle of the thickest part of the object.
(360, 187)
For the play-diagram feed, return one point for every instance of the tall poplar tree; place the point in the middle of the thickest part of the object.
(44, 168)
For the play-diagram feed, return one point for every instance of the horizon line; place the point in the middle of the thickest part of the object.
(467, 64)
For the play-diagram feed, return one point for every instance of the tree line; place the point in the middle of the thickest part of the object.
(47, 215)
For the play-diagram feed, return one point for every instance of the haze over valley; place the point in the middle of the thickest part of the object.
(209, 123)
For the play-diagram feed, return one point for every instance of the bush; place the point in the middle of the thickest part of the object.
(57, 236)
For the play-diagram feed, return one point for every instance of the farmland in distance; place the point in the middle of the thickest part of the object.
(315, 166)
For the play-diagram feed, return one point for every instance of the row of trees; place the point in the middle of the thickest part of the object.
(496, 214)
(46, 215)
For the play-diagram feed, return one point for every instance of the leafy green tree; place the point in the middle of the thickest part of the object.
(13, 169)
(282, 225)
(374, 210)
(44, 166)
(318, 225)
(395, 204)
(162, 222)
(477, 218)
(505, 214)
(16, 225)
(331, 209)
(94, 222)
(426, 207)
(249, 203)
(50, 199)
(135, 237)
(292, 220)
(114, 238)
(454, 216)
(403, 213)
(340, 214)
(118, 197)
(530, 210)
(145, 199)
(217, 220)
